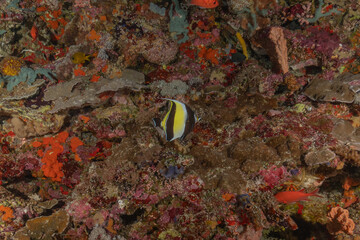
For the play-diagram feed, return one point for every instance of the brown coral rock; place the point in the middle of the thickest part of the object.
(291, 83)
(252, 154)
(217, 170)
(321, 156)
(273, 41)
(44, 227)
(339, 221)
(336, 90)
(348, 153)
(36, 127)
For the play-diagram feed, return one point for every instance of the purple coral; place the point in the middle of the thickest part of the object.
(172, 172)
(269, 85)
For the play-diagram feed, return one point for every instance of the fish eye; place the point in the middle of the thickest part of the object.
(214, 2)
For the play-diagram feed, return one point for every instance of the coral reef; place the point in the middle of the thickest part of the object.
(272, 154)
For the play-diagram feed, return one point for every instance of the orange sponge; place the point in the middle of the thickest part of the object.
(51, 167)
(7, 213)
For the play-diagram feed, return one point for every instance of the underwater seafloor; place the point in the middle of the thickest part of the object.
(275, 153)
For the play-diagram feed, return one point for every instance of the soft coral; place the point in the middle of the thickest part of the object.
(52, 167)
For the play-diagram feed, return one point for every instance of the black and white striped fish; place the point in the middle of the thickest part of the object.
(178, 122)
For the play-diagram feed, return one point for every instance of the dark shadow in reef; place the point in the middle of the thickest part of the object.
(25, 177)
(130, 219)
(306, 231)
(309, 230)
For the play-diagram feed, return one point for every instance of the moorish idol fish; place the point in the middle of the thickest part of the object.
(178, 122)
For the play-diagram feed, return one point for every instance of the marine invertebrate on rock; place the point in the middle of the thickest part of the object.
(349, 198)
(27, 75)
(11, 66)
(6, 212)
(99, 232)
(52, 167)
(210, 54)
(311, 129)
(75, 142)
(319, 12)
(339, 221)
(10, 169)
(156, 9)
(178, 23)
(347, 134)
(315, 42)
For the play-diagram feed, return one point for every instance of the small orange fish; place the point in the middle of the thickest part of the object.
(205, 3)
(294, 196)
(33, 32)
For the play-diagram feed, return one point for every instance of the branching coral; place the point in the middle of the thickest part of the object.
(319, 12)
(339, 221)
(178, 23)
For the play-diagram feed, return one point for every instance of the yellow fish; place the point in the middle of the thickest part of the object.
(178, 121)
(80, 58)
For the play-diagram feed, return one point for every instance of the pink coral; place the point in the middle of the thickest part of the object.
(269, 85)
(79, 209)
(339, 221)
(273, 175)
(82, 3)
(162, 50)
